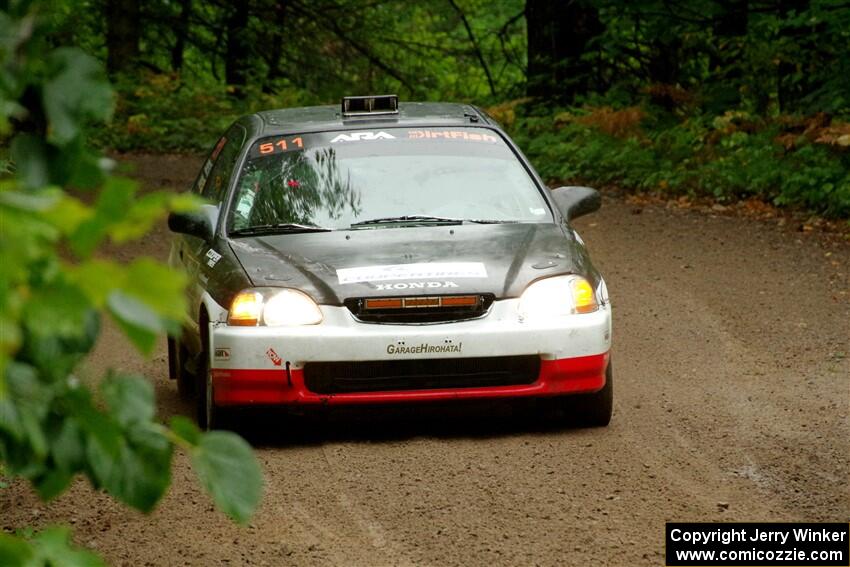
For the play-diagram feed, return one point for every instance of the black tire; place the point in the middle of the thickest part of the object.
(595, 410)
(173, 362)
(588, 410)
(204, 401)
(177, 356)
(208, 415)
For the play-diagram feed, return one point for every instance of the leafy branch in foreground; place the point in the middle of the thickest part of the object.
(54, 291)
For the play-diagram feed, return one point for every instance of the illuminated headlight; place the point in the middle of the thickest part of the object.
(273, 307)
(557, 296)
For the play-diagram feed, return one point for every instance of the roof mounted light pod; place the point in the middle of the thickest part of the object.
(369, 105)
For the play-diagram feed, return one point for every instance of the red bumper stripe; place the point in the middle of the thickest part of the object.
(272, 386)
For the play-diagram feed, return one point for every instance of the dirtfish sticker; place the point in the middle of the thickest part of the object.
(362, 136)
(451, 135)
(222, 353)
(212, 258)
(421, 271)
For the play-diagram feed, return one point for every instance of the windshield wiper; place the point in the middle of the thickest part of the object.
(490, 221)
(407, 219)
(278, 228)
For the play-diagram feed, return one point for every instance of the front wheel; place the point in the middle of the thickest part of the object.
(209, 414)
(177, 357)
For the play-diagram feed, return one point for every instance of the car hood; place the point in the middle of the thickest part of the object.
(500, 259)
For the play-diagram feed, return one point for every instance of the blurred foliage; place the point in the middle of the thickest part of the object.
(54, 290)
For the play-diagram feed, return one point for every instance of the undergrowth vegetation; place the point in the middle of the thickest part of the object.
(159, 112)
(787, 161)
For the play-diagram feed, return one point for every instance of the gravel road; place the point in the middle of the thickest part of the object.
(732, 367)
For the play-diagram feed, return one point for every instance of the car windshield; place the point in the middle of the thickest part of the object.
(392, 177)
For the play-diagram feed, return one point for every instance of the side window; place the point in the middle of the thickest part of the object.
(198, 186)
(224, 156)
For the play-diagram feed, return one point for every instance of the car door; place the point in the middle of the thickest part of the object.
(196, 255)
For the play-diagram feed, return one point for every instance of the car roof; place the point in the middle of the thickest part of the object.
(329, 117)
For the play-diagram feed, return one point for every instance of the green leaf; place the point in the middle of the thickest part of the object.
(140, 471)
(41, 200)
(184, 202)
(138, 321)
(97, 278)
(30, 155)
(113, 204)
(67, 214)
(53, 483)
(77, 92)
(141, 217)
(67, 445)
(58, 309)
(93, 424)
(159, 287)
(228, 470)
(53, 547)
(14, 552)
(31, 400)
(10, 421)
(130, 399)
(186, 429)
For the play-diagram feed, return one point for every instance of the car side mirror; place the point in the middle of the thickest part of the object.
(574, 202)
(200, 223)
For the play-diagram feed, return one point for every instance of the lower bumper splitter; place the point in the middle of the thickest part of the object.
(410, 380)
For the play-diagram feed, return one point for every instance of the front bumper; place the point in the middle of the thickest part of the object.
(265, 365)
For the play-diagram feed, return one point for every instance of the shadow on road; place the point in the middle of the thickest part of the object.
(274, 428)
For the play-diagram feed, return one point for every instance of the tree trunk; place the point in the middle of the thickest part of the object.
(122, 34)
(181, 31)
(792, 85)
(730, 26)
(237, 58)
(559, 35)
(276, 39)
(664, 62)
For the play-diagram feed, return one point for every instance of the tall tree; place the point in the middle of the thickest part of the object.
(797, 42)
(730, 28)
(237, 57)
(560, 34)
(181, 33)
(122, 34)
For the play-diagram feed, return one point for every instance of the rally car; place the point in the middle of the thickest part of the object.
(377, 252)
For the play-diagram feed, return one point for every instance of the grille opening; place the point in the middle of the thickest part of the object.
(424, 374)
(419, 309)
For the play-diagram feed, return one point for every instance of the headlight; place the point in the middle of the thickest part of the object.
(273, 307)
(557, 296)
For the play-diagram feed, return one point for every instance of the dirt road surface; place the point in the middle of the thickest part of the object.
(732, 373)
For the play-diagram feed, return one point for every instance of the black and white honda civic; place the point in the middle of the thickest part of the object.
(380, 252)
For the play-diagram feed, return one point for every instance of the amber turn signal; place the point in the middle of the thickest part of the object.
(246, 309)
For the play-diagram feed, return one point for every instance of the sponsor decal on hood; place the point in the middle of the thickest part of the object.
(420, 271)
(415, 285)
